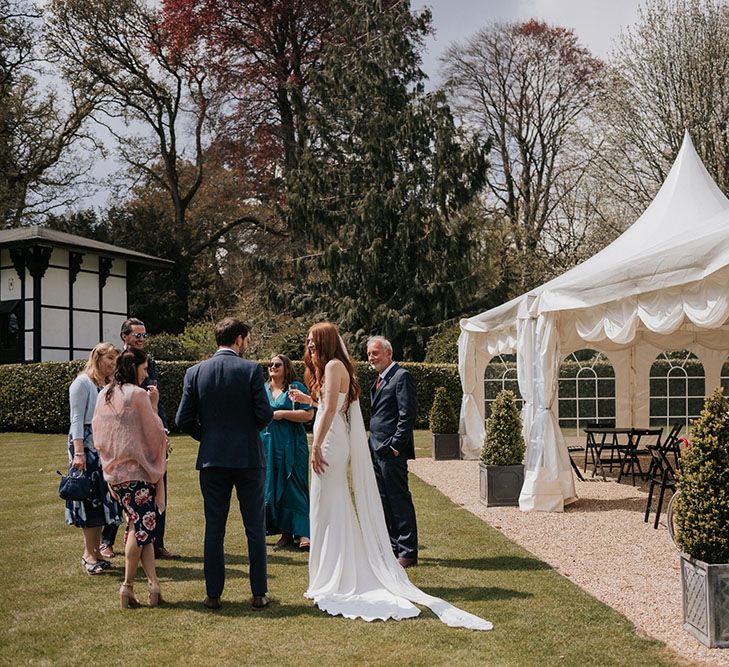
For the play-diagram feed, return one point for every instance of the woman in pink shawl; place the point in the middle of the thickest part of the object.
(132, 444)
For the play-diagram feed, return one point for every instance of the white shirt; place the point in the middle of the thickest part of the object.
(387, 370)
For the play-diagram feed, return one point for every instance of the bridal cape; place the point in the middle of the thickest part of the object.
(352, 569)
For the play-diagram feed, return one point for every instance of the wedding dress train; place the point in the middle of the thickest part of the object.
(352, 569)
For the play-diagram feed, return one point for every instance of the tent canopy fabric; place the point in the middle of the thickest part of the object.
(666, 276)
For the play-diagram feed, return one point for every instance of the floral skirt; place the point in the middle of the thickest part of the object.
(138, 499)
(100, 509)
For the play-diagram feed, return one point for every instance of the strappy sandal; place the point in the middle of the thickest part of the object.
(155, 597)
(93, 568)
(304, 544)
(126, 597)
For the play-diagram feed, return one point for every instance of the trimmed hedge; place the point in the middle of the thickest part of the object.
(34, 397)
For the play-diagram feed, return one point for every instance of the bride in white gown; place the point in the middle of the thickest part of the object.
(352, 569)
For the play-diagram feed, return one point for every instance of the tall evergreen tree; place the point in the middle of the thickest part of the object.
(379, 202)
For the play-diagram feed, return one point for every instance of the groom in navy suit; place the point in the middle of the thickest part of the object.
(392, 421)
(224, 405)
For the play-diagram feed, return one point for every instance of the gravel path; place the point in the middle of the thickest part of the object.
(600, 542)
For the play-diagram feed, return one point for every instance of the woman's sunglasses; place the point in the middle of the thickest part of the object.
(275, 364)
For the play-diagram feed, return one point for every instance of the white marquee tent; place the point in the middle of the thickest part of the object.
(662, 285)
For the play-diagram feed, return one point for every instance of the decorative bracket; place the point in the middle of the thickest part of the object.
(37, 259)
(18, 257)
(75, 259)
(104, 269)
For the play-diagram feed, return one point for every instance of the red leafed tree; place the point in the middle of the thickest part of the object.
(262, 53)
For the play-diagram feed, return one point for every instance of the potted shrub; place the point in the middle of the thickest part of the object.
(444, 427)
(701, 516)
(501, 468)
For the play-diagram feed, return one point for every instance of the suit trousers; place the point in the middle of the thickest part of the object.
(392, 481)
(217, 485)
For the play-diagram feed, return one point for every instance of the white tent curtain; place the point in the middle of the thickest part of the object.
(548, 482)
(472, 417)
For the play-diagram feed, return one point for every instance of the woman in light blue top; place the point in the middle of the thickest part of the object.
(100, 509)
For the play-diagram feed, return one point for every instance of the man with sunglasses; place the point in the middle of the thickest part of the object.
(134, 335)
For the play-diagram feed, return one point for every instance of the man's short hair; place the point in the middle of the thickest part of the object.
(228, 329)
(381, 340)
(126, 327)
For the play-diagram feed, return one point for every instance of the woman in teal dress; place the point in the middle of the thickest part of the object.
(287, 455)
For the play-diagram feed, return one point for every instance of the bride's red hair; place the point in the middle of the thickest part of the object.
(328, 344)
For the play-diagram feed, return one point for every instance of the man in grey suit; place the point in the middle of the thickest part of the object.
(391, 440)
(224, 405)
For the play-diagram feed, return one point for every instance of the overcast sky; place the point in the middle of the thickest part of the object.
(596, 22)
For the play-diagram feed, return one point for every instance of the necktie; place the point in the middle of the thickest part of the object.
(379, 382)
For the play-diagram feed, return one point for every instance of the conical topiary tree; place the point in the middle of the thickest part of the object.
(702, 509)
(504, 441)
(443, 418)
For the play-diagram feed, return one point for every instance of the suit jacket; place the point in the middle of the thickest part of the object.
(224, 405)
(394, 410)
(152, 377)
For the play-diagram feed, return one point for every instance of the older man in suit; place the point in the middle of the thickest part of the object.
(224, 405)
(391, 443)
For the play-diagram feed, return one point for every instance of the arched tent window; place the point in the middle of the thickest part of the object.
(500, 374)
(725, 377)
(677, 388)
(586, 389)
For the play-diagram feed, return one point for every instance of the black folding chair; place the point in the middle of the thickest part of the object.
(591, 444)
(633, 451)
(664, 476)
(672, 444)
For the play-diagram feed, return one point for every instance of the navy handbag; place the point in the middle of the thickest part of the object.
(74, 486)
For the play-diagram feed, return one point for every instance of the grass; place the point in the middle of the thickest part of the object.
(53, 614)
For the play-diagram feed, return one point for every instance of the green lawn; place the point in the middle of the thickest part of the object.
(52, 613)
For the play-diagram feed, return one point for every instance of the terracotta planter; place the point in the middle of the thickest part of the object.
(705, 593)
(446, 446)
(500, 485)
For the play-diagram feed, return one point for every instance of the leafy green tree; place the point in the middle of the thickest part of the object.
(379, 204)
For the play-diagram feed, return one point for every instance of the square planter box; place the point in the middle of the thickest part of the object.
(500, 485)
(705, 592)
(446, 446)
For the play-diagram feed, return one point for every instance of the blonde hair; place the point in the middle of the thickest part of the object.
(93, 365)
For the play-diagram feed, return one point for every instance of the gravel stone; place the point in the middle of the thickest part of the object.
(600, 542)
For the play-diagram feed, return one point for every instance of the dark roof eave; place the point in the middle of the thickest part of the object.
(36, 237)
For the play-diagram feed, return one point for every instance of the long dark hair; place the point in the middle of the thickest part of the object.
(126, 369)
(329, 345)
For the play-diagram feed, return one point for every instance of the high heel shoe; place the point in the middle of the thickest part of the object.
(155, 597)
(126, 596)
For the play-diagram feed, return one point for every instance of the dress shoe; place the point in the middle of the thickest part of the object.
(407, 562)
(212, 603)
(106, 551)
(163, 554)
(259, 602)
(286, 540)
